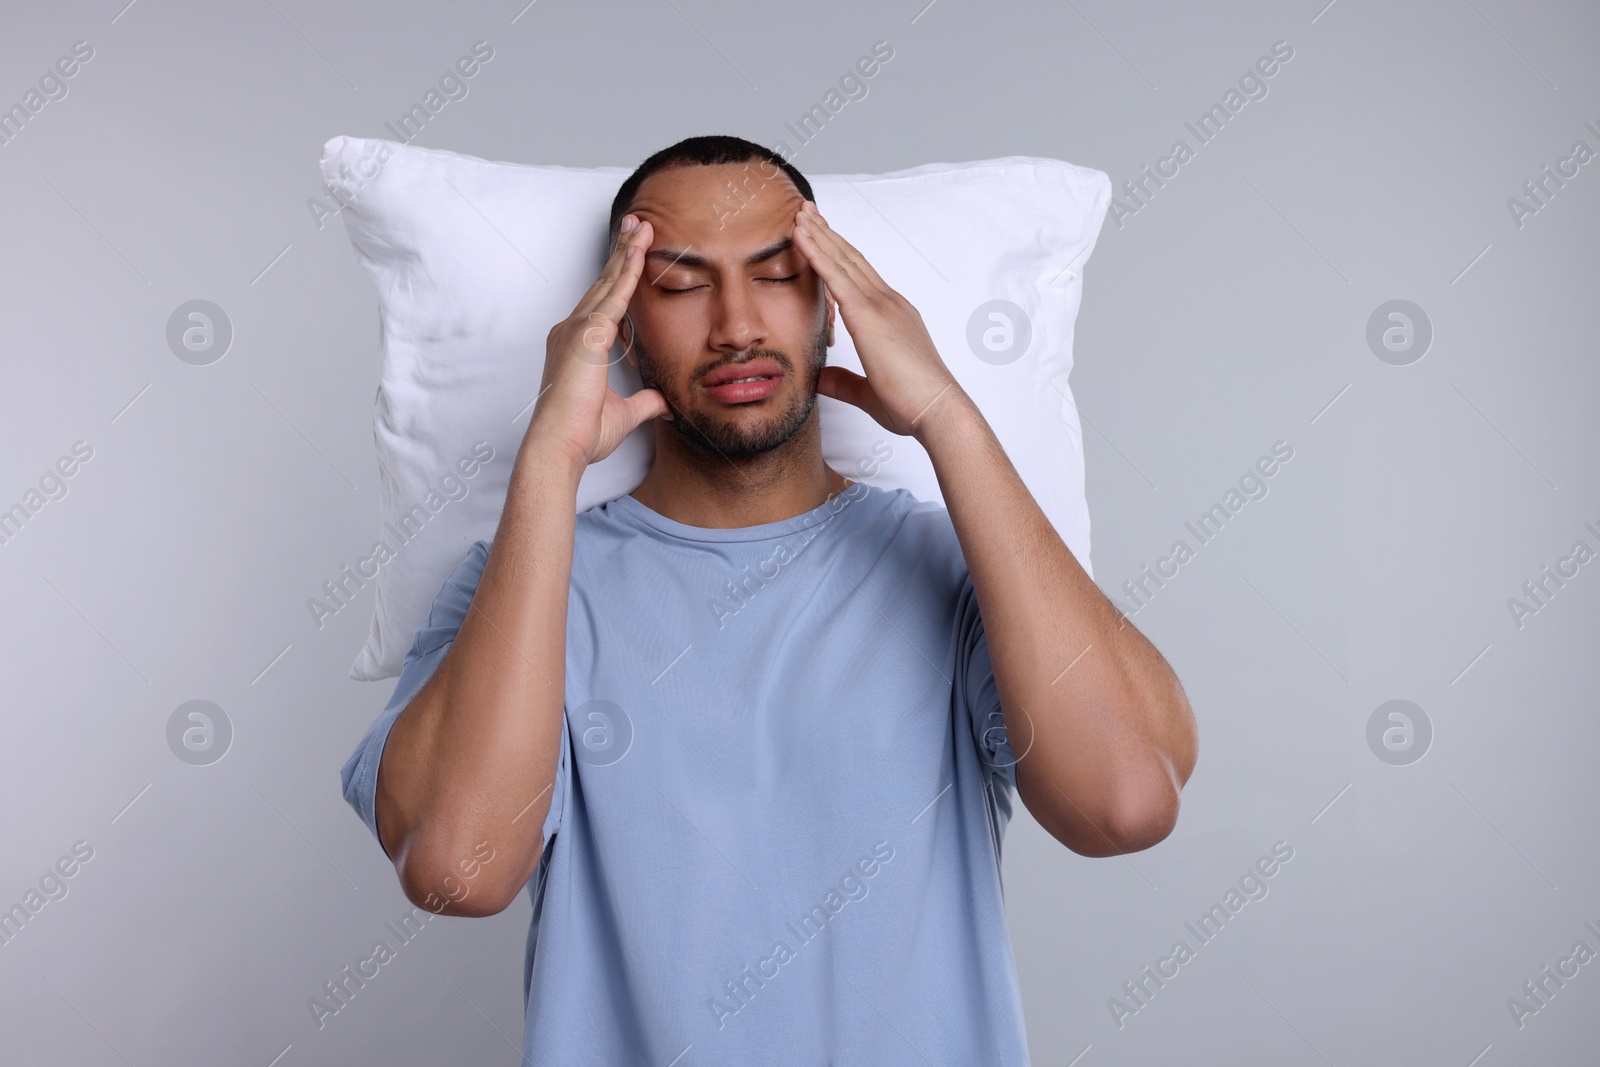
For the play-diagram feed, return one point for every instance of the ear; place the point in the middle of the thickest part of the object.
(832, 306)
(625, 336)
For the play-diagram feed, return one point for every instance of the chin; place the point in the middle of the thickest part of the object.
(750, 429)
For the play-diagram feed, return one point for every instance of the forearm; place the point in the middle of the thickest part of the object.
(1105, 736)
(1103, 732)
(472, 758)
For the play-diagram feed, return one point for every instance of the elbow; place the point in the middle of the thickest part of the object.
(477, 902)
(1135, 806)
(1143, 822)
(1120, 832)
(1141, 815)
(1135, 821)
(455, 881)
(1145, 811)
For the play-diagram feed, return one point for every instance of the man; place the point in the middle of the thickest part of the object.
(749, 734)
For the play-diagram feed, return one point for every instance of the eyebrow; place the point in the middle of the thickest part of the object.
(684, 258)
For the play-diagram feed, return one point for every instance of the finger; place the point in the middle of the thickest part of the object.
(613, 303)
(845, 286)
(846, 252)
(617, 263)
(600, 325)
(622, 279)
(608, 269)
(850, 284)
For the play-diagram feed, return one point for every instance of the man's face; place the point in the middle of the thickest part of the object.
(725, 295)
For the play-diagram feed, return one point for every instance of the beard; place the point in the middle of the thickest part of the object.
(730, 430)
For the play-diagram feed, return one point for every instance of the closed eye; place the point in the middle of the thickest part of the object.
(692, 288)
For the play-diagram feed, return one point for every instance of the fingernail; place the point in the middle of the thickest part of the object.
(629, 222)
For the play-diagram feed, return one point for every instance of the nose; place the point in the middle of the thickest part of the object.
(737, 324)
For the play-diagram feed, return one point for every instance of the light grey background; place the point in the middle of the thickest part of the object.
(1229, 312)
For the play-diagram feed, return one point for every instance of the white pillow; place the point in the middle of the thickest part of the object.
(474, 261)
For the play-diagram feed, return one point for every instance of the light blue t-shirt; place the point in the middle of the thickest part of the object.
(775, 830)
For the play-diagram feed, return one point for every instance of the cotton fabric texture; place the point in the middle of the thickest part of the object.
(784, 781)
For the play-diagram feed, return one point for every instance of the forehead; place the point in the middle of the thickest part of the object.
(728, 208)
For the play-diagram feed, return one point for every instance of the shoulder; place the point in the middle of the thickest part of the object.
(602, 519)
(923, 523)
(915, 536)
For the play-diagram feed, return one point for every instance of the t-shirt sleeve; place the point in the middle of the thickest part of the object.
(976, 686)
(359, 777)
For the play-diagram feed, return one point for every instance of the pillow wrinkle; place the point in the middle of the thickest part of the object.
(991, 253)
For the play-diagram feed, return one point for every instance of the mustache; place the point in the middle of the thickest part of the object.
(750, 356)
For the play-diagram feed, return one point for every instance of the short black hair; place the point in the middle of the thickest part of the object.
(706, 151)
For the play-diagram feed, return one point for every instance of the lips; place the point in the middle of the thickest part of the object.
(742, 383)
(754, 368)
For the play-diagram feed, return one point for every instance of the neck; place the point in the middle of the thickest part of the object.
(698, 488)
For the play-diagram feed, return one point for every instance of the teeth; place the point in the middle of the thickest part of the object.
(737, 381)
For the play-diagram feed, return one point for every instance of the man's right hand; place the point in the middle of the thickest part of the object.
(469, 766)
(577, 412)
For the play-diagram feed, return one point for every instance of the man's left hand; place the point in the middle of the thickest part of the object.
(906, 378)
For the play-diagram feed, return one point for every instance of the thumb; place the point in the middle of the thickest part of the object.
(851, 388)
(846, 386)
(644, 405)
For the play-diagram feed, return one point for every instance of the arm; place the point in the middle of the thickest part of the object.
(469, 765)
(1106, 735)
